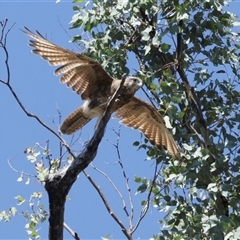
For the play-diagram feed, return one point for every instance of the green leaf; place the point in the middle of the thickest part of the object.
(137, 179)
(20, 200)
(20, 179)
(187, 147)
(141, 189)
(13, 210)
(221, 71)
(155, 41)
(147, 49)
(164, 47)
(166, 88)
(176, 99)
(136, 143)
(167, 198)
(78, 1)
(145, 33)
(212, 187)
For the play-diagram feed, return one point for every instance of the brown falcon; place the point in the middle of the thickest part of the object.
(88, 78)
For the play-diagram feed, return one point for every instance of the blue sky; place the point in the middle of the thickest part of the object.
(41, 93)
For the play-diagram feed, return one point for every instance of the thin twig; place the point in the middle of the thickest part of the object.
(142, 68)
(74, 234)
(7, 83)
(113, 215)
(114, 186)
(3, 44)
(20, 172)
(36, 117)
(150, 99)
(146, 206)
(166, 66)
(127, 182)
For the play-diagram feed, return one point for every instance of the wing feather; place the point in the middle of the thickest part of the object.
(80, 67)
(138, 122)
(83, 74)
(153, 134)
(140, 115)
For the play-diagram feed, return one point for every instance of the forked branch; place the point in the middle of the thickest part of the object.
(59, 184)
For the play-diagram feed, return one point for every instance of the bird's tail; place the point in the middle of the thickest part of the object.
(74, 122)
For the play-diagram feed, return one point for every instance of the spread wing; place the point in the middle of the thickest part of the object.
(83, 74)
(140, 115)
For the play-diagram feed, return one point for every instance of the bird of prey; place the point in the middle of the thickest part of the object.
(95, 86)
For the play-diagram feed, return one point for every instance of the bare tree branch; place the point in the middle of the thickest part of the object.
(74, 234)
(20, 172)
(36, 117)
(127, 182)
(124, 230)
(146, 206)
(8, 84)
(59, 184)
(114, 186)
(142, 68)
(3, 44)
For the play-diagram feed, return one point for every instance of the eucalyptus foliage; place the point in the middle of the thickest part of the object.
(187, 54)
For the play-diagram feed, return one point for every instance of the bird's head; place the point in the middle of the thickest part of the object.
(133, 83)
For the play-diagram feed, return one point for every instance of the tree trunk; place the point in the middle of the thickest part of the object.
(57, 198)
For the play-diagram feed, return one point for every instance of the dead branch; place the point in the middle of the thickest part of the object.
(146, 206)
(114, 186)
(20, 172)
(74, 234)
(59, 184)
(126, 181)
(3, 44)
(124, 230)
